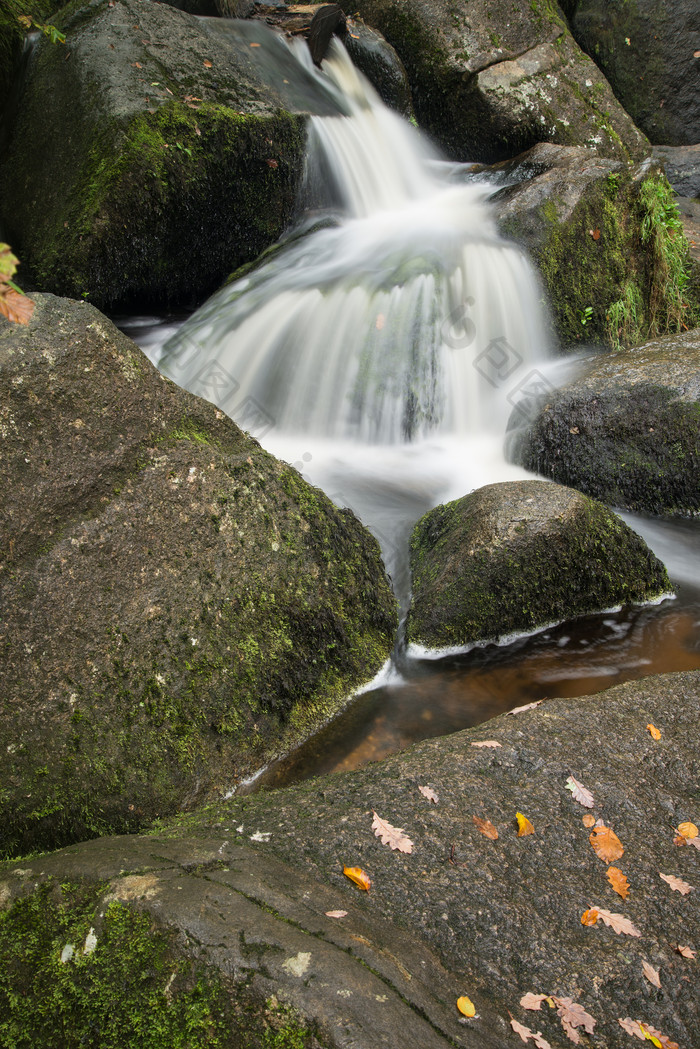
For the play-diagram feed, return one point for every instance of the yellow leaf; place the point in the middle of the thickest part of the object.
(688, 830)
(466, 1006)
(524, 825)
(653, 731)
(357, 875)
(589, 917)
(651, 1038)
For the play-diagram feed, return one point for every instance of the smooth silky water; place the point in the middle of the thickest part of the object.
(381, 348)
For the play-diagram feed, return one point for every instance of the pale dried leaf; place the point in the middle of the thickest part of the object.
(651, 974)
(686, 952)
(606, 843)
(486, 827)
(573, 1015)
(633, 1027)
(532, 1001)
(394, 837)
(693, 841)
(580, 793)
(588, 820)
(429, 793)
(618, 881)
(618, 923)
(526, 706)
(488, 742)
(336, 914)
(526, 1034)
(676, 883)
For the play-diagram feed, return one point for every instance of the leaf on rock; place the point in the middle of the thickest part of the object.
(394, 837)
(676, 883)
(633, 1027)
(526, 1034)
(526, 706)
(207, 64)
(524, 825)
(688, 831)
(693, 841)
(685, 952)
(588, 820)
(651, 974)
(618, 923)
(590, 917)
(661, 1041)
(618, 881)
(653, 731)
(466, 1006)
(532, 1001)
(486, 827)
(15, 306)
(430, 794)
(580, 793)
(606, 843)
(573, 1015)
(357, 875)
(337, 914)
(488, 742)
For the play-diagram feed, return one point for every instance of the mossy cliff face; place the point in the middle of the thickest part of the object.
(178, 606)
(146, 159)
(608, 242)
(491, 78)
(626, 430)
(516, 556)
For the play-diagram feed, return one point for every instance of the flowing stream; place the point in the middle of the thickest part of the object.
(381, 348)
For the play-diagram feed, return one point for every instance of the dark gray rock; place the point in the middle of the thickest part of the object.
(177, 606)
(240, 892)
(491, 78)
(517, 556)
(380, 63)
(682, 167)
(647, 51)
(626, 431)
(147, 159)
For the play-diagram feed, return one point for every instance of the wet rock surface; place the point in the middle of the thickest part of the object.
(626, 431)
(243, 887)
(177, 605)
(520, 555)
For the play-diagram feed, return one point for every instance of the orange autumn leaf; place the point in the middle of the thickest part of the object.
(688, 830)
(653, 731)
(207, 64)
(357, 875)
(486, 827)
(466, 1006)
(588, 820)
(606, 844)
(618, 881)
(16, 307)
(590, 917)
(524, 825)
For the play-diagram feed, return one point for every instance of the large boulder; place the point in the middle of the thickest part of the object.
(626, 430)
(607, 239)
(237, 923)
(147, 157)
(648, 51)
(178, 607)
(682, 167)
(517, 556)
(491, 78)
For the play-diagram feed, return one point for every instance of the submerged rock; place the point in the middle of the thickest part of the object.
(231, 905)
(147, 159)
(520, 555)
(607, 239)
(491, 78)
(178, 607)
(626, 430)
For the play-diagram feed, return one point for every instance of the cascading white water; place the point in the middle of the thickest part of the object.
(382, 346)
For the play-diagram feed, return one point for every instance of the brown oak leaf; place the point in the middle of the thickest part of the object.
(487, 742)
(633, 1027)
(685, 952)
(394, 837)
(606, 843)
(486, 827)
(532, 1001)
(430, 794)
(665, 1041)
(572, 1016)
(526, 706)
(618, 923)
(618, 881)
(526, 1034)
(16, 307)
(676, 883)
(580, 793)
(651, 974)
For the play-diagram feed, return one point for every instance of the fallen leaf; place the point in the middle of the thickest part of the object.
(696, 54)
(680, 840)
(255, 45)
(466, 1006)
(271, 163)
(595, 233)
(676, 883)
(685, 952)
(632, 1027)
(693, 841)
(588, 820)
(527, 706)
(392, 836)
(590, 917)
(336, 914)
(688, 830)
(526, 1034)
(653, 731)
(572, 1016)
(524, 825)
(429, 793)
(580, 793)
(661, 1041)
(651, 974)
(618, 923)
(137, 65)
(532, 1001)
(488, 742)
(207, 64)
(357, 875)
(486, 827)
(16, 307)
(606, 844)
(618, 881)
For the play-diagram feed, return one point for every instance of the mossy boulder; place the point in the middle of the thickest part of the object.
(178, 606)
(608, 241)
(212, 922)
(647, 51)
(491, 78)
(147, 158)
(517, 556)
(626, 430)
